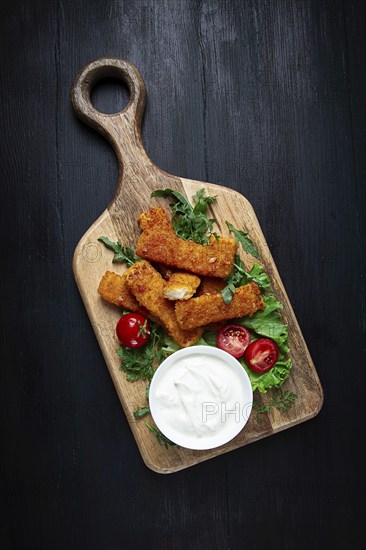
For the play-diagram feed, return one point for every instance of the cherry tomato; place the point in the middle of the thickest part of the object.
(261, 355)
(133, 330)
(234, 339)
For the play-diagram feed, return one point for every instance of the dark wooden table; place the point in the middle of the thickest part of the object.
(266, 96)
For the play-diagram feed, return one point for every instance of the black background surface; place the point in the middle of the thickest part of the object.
(267, 97)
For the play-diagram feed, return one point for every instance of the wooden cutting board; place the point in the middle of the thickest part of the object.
(138, 177)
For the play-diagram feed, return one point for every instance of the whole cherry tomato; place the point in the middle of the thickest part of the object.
(133, 330)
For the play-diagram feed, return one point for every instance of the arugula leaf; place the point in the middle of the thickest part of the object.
(240, 277)
(161, 438)
(234, 280)
(122, 254)
(190, 222)
(202, 202)
(172, 193)
(140, 363)
(244, 240)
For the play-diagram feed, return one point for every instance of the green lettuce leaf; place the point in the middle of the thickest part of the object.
(268, 323)
(274, 378)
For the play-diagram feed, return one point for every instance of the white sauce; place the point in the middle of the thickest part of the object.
(201, 396)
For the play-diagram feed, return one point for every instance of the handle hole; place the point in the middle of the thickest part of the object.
(110, 95)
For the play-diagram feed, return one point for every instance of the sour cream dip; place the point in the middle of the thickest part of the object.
(200, 397)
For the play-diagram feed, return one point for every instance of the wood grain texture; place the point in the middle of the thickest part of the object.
(264, 96)
(138, 178)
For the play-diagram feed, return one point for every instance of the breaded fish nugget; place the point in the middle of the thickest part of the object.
(147, 285)
(159, 243)
(210, 308)
(113, 288)
(181, 286)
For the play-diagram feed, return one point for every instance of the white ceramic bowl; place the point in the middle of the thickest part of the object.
(169, 412)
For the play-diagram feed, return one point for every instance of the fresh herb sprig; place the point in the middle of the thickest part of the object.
(122, 254)
(161, 438)
(239, 277)
(141, 412)
(190, 222)
(281, 401)
(140, 363)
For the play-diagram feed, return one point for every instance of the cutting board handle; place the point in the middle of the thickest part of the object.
(122, 129)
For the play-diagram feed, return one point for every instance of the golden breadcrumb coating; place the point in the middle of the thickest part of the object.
(147, 285)
(210, 285)
(159, 243)
(181, 286)
(210, 308)
(113, 288)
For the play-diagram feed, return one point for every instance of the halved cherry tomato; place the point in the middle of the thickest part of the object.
(234, 339)
(133, 330)
(261, 355)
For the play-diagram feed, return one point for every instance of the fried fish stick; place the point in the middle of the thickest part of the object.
(159, 243)
(147, 285)
(210, 308)
(210, 285)
(181, 286)
(113, 288)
